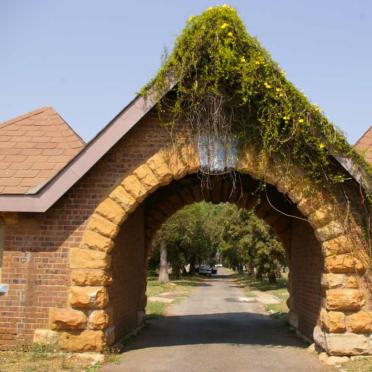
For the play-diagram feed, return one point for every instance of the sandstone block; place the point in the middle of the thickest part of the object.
(360, 322)
(160, 169)
(91, 277)
(290, 176)
(308, 204)
(352, 281)
(343, 344)
(333, 280)
(103, 226)
(89, 259)
(88, 297)
(296, 194)
(98, 319)
(343, 263)
(344, 299)
(67, 319)
(329, 231)
(88, 340)
(341, 244)
(134, 187)
(173, 160)
(333, 321)
(321, 216)
(247, 163)
(111, 210)
(45, 337)
(147, 177)
(124, 199)
(94, 240)
(190, 156)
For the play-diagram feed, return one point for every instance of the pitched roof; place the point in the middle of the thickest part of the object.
(364, 145)
(33, 148)
(47, 194)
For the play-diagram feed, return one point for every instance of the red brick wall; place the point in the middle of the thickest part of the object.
(306, 268)
(35, 259)
(128, 266)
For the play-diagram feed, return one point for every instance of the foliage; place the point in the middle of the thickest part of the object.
(202, 232)
(228, 85)
(189, 237)
(248, 241)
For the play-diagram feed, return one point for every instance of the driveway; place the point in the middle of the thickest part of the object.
(217, 329)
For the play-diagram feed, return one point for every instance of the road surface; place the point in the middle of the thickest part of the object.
(217, 328)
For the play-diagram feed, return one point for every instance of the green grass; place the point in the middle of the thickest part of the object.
(178, 289)
(278, 289)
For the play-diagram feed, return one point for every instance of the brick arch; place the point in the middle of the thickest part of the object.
(86, 324)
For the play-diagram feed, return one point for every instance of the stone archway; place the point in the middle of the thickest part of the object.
(86, 323)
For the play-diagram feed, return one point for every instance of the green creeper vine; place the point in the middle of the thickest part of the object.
(228, 85)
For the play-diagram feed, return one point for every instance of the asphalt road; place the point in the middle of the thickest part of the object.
(216, 329)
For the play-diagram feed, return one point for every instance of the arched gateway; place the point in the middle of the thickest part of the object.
(75, 251)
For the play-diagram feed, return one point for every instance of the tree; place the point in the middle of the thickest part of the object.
(163, 267)
(198, 233)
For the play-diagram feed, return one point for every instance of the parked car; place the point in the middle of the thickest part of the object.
(205, 270)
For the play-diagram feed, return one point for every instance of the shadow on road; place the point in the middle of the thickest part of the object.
(228, 328)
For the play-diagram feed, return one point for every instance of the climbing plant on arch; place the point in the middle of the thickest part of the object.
(228, 86)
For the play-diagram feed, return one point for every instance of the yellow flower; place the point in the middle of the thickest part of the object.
(267, 85)
(224, 25)
(278, 89)
(321, 146)
(301, 121)
(242, 59)
(230, 34)
(257, 62)
(285, 118)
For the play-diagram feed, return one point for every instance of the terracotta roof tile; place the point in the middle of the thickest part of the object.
(364, 145)
(33, 148)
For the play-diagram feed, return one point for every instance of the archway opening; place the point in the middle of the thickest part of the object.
(132, 246)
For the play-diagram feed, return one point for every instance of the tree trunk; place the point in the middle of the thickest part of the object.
(163, 269)
(272, 277)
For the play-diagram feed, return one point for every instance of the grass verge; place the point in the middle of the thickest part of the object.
(42, 358)
(278, 289)
(176, 290)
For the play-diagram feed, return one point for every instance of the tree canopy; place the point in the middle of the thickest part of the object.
(207, 233)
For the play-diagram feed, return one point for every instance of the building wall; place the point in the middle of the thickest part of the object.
(128, 266)
(306, 266)
(36, 246)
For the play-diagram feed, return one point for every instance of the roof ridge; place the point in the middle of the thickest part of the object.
(25, 116)
(70, 127)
